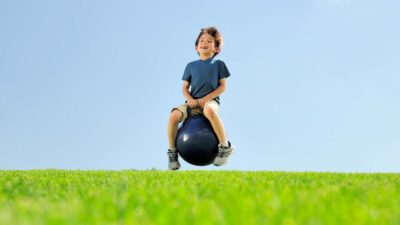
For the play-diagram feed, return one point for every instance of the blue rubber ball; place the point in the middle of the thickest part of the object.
(196, 141)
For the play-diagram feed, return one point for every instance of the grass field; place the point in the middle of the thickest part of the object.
(197, 197)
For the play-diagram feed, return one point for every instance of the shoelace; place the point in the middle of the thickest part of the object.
(224, 151)
(172, 155)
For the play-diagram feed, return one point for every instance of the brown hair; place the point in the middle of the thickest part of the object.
(215, 34)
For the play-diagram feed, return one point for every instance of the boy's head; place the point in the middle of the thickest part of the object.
(209, 41)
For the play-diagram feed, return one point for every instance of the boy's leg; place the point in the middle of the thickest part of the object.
(177, 115)
(210, 111)
(173, 122)
(225, 149)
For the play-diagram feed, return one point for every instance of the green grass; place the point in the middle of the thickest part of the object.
(197, 197)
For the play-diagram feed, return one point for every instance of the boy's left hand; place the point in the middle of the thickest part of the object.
(202, 101)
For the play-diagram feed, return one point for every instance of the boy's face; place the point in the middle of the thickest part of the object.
(206, 45)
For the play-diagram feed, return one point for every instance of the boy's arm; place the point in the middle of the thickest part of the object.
(217, 92)
(185, 90)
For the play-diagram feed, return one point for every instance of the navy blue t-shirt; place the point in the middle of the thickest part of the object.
(204, 76)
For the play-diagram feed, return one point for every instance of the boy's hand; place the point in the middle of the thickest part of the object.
(192, 103)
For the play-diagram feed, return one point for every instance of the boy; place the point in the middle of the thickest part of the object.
(203, 81)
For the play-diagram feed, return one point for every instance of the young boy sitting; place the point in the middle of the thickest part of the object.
(203, 81)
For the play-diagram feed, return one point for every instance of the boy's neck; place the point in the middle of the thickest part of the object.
(204, 57)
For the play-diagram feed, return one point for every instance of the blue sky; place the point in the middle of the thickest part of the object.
(90, 84)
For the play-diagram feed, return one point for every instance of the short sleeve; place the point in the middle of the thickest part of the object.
(223, 71)
(187, 74)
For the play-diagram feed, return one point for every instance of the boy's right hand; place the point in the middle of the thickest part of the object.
(192, 103)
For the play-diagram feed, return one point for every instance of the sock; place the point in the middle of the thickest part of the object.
(172, 149)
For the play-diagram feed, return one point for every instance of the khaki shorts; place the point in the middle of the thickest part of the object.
(195, 111)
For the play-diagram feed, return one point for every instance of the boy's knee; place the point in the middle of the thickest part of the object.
(210, 112)
(175, 116)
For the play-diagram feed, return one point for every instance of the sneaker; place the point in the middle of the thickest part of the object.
(223, 153)
(173, 163)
